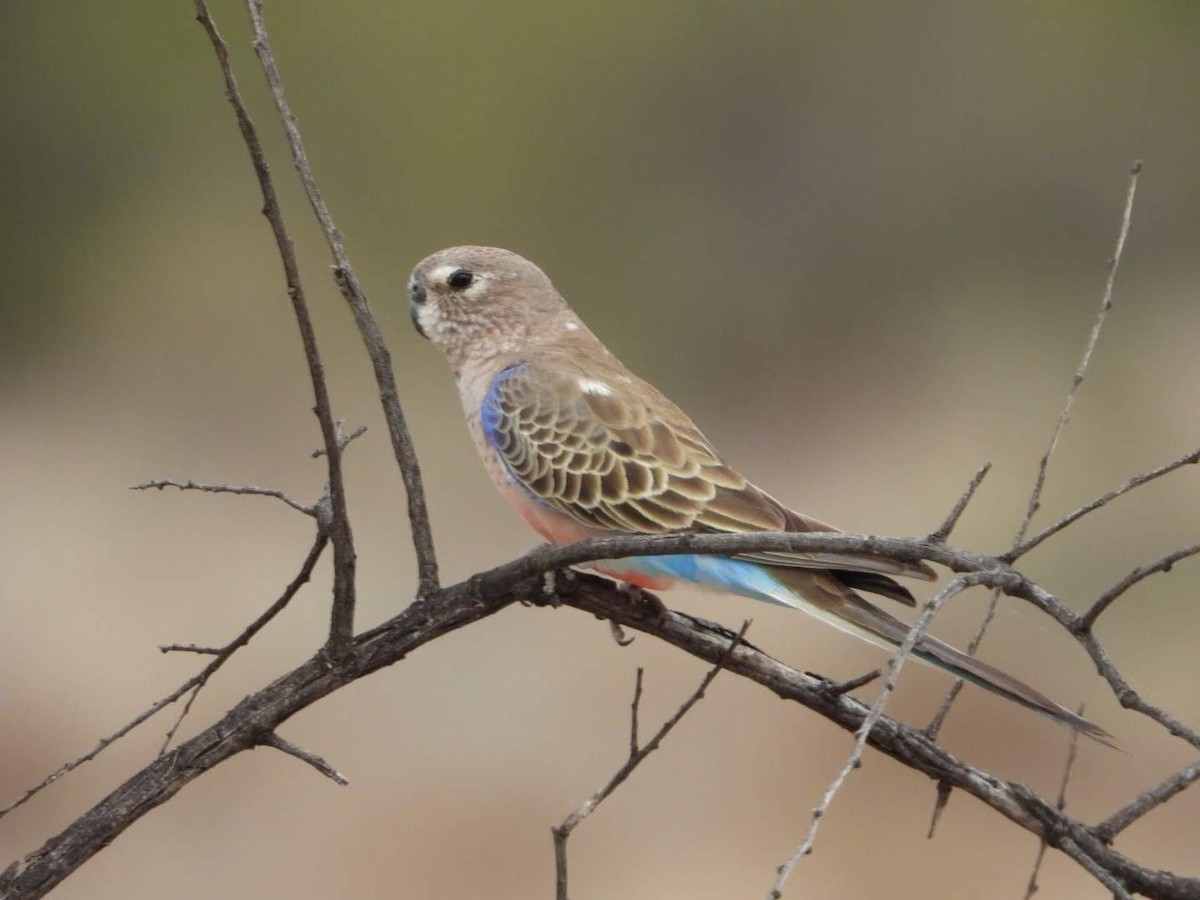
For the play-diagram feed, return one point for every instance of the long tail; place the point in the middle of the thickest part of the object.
(821, 594)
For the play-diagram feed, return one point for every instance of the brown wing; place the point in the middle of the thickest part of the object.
(609, 450)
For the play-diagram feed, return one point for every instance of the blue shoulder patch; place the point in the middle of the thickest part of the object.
(490, 413)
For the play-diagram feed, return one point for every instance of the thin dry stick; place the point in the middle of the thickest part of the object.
(633, 712)
(1035, 496)
(854, 760)
(192, 684)
(1088, 620)
(636, 755)
(402, 445)
(189, 485)
(1147, 801)
(943, 530)
(1060, 804)
(344, 562)
(271, 739)
(1188, 459)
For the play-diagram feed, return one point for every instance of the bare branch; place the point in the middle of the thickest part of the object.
(854, 760)
(192, 684)
(994, 573)
(190, 648)
(1147, 801)
(943, 530)
(344, 562)
(483, 595)
(1035, 497)
(636, 755)
(1039, 482)
(1188, 459)
(271, 739)
(1088, 620)
(633, 712)
(1060, 805)
(347, 281)
(189, 485)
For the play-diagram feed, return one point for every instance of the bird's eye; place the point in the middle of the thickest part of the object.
(460, 279)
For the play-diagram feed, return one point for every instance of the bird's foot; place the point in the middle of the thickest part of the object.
(650, 606)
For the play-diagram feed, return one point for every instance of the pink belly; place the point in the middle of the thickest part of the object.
(560, 529)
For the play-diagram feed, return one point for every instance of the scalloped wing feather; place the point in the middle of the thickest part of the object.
(611, 452)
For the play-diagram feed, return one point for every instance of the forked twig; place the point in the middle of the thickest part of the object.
(854, 760)
(344, 559)
(192, 684)
(636, 755)
(189, 485)
(347, 281)
(1039, 482)
(1060, 804)
(1021, 548)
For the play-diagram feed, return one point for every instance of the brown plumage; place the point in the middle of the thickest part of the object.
(582, 447)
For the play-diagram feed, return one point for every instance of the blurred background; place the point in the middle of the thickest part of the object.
(863, 244)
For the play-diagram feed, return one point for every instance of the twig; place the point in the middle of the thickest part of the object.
(1039, 482)
(1060, 804)
(481, 596)
(943, 530)
(1088, 619)
(1147, 801)
(271, 739)
(1035, 497)
(633, 712)
(636, 755)
(190, 648)
(1188, 459)
(942, 799)
(344, 562)
(347, 281)
(183, 714)
(193, 683)
(837, 688)
(189, 485)
(344, 438)
(854, 760)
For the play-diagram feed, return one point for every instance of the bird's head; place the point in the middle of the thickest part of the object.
(483, 300)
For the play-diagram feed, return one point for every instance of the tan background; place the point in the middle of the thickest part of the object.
(862, 245)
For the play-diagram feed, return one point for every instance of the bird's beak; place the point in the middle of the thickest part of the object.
(412, 310)
(416, 297)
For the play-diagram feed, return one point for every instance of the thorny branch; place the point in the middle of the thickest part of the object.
(438, 611)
